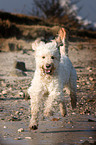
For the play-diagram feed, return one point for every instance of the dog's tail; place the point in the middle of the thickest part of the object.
(63, 38)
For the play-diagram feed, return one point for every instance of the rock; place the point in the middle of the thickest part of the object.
(21, 130)
(20, 65)
(18, 69)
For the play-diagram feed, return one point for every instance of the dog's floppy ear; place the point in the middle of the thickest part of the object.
(62, 40)
(61, 36)
(35, 44)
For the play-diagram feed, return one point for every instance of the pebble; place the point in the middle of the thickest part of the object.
(21, 93)
(28, 137)
(17, 112)
(72, 126)
(78, 86)
(4, 92)
(4, 126)
(90, 78)
(92, 127)
(87, 83)
(73, 113)
(15, 118)
(90, 137)
(89, 68)
(21, 130)
(5, 136)
(55, 119)
(81, 140)
(18, 138)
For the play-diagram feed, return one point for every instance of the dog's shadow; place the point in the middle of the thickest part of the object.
(61, 131)
(29, 70)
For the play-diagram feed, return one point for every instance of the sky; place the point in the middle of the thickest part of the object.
(88, 10)
(16, 6)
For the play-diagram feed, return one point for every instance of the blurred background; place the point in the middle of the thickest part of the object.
(83, 9)
(31, 19)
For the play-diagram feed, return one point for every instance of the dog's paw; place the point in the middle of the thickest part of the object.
(63, 113)
(33, 127)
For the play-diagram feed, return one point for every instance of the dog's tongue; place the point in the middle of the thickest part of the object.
(47, 71)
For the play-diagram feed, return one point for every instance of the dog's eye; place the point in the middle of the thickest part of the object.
(43, 57)
(52, 57)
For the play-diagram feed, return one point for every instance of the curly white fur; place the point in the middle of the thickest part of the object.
(54, 71)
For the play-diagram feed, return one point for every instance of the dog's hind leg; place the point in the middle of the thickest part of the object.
(62, 108)
(73, 88)
(73, 99)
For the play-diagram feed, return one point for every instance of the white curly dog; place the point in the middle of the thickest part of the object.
(54, 71)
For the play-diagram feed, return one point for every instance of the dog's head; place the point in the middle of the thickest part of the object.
(47, 57)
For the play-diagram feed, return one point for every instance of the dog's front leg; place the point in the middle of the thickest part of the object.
(34, 112)
(49, 103)
(35, 107)
(54, 97)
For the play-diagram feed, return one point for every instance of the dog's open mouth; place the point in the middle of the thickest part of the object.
(48, 70)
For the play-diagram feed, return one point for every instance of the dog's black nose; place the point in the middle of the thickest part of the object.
(48, 65)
